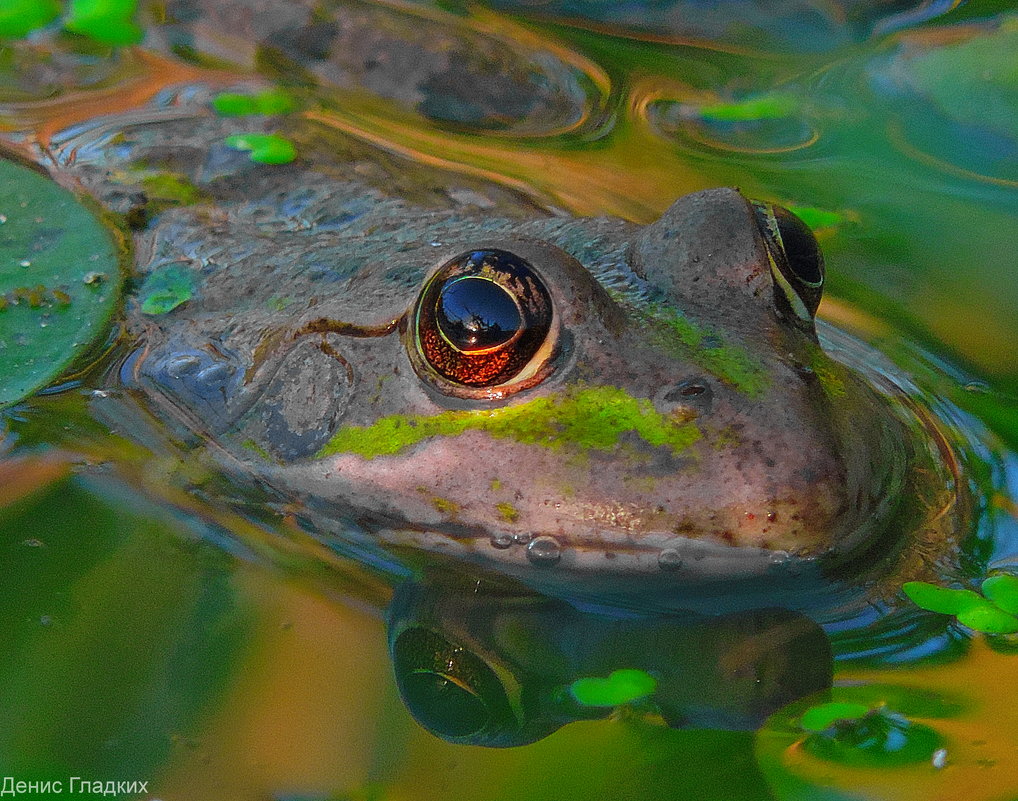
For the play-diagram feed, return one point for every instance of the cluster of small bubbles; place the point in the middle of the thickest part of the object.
(544, 551)
(502, 540)
(669, 559)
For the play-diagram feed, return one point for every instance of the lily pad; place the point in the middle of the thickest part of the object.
(59, 280)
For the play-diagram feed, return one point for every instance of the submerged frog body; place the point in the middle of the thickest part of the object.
(584, 404)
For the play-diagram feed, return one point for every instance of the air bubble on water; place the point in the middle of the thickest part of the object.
(939, 759)
(976, 387)
(544, 551)
(669, 559)
(779, 561)
(502, 540)
(523, 537)
(435, 243)
(25, 263)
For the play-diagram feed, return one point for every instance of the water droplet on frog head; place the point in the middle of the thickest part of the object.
(669, 559)
(544, 551)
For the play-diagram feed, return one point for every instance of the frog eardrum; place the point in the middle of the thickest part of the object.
(797, 263)
(484, 321)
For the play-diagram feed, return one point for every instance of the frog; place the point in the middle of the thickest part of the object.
(585, 405)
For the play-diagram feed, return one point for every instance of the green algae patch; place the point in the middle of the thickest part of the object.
(107, 21)
(761, 107)
(264, 148)
(268, 102)
(582, 419)
(53, 303)
(508, 512)
(620, 687)
(18, 18)
(166, 289)
(731, 363)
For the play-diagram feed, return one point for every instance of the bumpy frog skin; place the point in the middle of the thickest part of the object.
(683, 430)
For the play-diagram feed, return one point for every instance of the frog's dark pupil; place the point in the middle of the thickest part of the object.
(475, 314)
(801, 248)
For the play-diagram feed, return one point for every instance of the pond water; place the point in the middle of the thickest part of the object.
(165, 624)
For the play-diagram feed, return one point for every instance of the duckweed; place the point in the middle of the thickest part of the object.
(761, 107)
(270, 101)
(586, 418)
(620, 687)
(18, 18)
(106, 21)
(994, 614)
(264, 148)
(166, 289)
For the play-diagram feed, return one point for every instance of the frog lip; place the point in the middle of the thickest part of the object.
(704, 577)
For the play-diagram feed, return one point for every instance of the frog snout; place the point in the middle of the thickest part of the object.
(203, 383)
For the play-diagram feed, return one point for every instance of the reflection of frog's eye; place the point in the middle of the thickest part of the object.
(484, 322)
(449, 690)
(796, 261)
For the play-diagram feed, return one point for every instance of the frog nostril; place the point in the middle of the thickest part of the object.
(688, 399)
(694, 391)
(179, 366)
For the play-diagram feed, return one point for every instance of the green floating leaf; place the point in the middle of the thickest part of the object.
(20, 17)
(271, 101)
(106, 21)
(1003, 591)
(762, 107)
(167, 288)
(941, 599)
(59, 280)
(988, 619)
(823, 716)
(265, 148)
(621, 687)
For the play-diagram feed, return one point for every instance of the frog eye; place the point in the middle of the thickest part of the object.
(449, 690)
(484, 325)
(796, 261)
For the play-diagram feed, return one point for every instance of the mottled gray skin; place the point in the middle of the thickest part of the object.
(789, 478)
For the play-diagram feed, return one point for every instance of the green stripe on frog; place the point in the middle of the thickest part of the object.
(587, 418)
